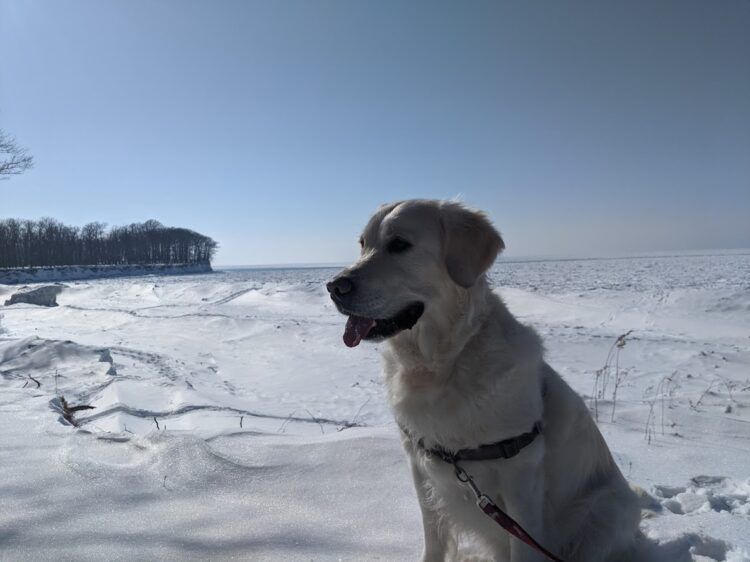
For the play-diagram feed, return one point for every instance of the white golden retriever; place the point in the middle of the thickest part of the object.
(462, 372)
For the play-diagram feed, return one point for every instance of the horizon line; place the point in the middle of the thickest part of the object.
(518, 259)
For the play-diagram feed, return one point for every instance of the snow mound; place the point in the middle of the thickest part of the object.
(40, 296)
(66, 373)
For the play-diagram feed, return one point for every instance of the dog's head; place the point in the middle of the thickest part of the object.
(413, 254)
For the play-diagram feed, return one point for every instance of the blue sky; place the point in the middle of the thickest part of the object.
(582, 128)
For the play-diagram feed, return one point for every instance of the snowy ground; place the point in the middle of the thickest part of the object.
(230, 420)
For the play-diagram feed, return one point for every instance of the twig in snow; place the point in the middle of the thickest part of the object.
(664, 390)
(323, 431)
(706, 392)
(730, 385)
(156, 422)
(353, 423)
(68, 411)
(38, 384)
(282, 427)
(241, 418)
(619, 375)
(602, 376)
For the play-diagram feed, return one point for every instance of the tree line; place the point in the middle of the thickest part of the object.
(48, 242)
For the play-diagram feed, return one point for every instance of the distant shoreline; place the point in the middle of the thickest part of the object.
(15, 276)
(515, 259)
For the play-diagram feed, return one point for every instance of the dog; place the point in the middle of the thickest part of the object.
(462, 373)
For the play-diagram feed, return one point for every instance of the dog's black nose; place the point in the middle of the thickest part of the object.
(340, 286)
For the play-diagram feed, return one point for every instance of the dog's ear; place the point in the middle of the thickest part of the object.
(470, 243)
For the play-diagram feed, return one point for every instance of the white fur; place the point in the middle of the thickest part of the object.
(468, 373)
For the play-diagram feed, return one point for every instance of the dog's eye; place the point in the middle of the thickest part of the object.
(361, 242)
(398, 245)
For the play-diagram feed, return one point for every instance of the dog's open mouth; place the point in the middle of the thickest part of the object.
(359, 328)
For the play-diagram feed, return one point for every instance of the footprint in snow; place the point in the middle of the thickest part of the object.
(704, 494)
(690, 547)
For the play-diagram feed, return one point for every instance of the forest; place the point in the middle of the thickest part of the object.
(48, 242)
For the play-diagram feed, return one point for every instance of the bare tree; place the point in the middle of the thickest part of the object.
(14, 160)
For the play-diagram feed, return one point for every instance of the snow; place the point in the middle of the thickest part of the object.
(274, 440)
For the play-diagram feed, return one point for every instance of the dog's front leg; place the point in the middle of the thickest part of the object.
(524, 501)
(439, 544)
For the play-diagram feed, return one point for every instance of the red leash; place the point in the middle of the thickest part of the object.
(500, 517)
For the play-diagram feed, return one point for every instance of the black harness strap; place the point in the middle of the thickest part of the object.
(505, 449)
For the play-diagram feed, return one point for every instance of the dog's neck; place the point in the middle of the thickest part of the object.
(436, 341)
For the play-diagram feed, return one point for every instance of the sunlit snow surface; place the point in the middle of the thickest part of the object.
(274, 441)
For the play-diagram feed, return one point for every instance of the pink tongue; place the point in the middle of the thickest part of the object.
(356, 329)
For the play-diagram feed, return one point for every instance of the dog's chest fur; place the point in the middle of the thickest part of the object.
(489, 391)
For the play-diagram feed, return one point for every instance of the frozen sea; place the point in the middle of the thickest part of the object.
(229, 421)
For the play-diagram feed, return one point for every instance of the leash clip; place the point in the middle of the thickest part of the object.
(464, 478)
(483, 502)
